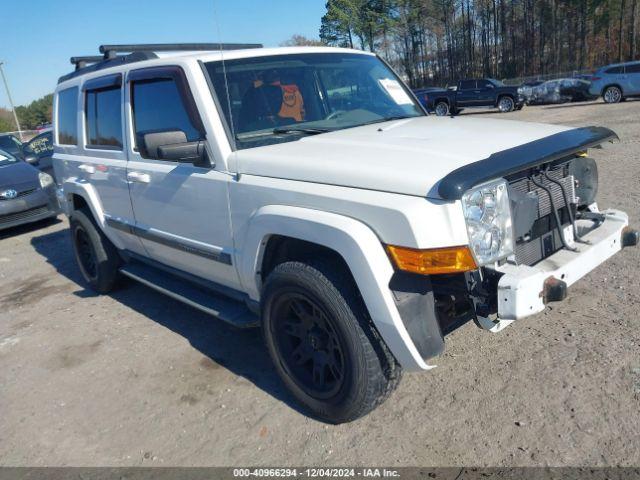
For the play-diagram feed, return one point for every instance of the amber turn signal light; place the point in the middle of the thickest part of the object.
(433, 261)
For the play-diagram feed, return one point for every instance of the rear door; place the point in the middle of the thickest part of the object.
(467, 93)
(181, 209)
(89, 146)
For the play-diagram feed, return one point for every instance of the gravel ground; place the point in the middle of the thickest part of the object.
(135, 378)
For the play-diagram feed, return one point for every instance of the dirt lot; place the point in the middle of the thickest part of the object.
(135, 378)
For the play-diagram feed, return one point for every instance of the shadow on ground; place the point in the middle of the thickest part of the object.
(28, 227)
(240, 351)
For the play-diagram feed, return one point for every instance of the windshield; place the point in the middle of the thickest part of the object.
(281, 98)
(6, 159)
(9, 142)
(497, 83)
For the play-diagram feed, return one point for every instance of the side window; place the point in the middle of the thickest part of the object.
(467, 85)
(634, 68)
(614, 70)
(159, 107)
(67, 125)
(486, 84)
(103, 113)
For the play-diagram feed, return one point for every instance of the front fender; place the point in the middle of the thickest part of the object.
(356, 243)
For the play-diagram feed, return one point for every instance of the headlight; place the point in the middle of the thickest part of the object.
(45, 179)
(488, 216)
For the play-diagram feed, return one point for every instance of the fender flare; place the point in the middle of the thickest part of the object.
(361, 250)
(87, 191)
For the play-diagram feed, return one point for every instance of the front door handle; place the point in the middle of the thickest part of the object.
(138, 177)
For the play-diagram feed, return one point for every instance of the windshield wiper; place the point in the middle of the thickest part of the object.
(307, 130)
(387, 119)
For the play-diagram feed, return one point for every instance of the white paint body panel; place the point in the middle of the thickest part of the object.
(403, 156)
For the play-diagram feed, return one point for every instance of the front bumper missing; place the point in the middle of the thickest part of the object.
(524, 290)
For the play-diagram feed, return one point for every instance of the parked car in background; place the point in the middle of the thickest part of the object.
(43, 127)
(39, 151)
(561, 90)
(526, 89)
(422, 94)
(26, 194)
(10, 143)
(484, 92)
(616, 82)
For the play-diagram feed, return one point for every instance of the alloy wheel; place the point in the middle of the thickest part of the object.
(310, 348)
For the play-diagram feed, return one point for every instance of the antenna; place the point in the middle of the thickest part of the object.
(224, 72)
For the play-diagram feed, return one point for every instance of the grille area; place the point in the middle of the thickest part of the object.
(26, 214)
(538, 236)
(22, 193)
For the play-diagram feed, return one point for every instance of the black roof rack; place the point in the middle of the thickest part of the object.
(82, 62)
(139, 52)
(175, 47)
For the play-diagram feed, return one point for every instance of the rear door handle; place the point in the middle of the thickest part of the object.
(138, 177)
(90, 169)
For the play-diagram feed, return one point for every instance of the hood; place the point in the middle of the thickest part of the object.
(404, 156)
(19, 175)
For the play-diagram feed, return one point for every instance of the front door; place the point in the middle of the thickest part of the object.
(486, 93)
(181, 210)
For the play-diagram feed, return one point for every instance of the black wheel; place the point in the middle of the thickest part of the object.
(506, 104)
(442, 109)
(322, 343)
(97, 257)
(612, 94)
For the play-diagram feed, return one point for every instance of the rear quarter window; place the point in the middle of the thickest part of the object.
(635, 68)
(67, 121)
(614, 70)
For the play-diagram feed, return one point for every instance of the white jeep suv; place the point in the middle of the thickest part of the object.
(306, 191)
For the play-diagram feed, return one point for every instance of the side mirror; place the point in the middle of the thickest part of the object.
(31, 159)
(172, 145)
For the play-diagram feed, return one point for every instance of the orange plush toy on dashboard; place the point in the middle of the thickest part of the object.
(292, 103)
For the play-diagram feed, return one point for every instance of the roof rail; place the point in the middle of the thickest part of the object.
(174, 47)
(82, 62)
(139, 52)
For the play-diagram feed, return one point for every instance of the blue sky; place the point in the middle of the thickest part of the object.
(36, 46)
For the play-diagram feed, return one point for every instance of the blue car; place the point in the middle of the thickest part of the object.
(616, 82)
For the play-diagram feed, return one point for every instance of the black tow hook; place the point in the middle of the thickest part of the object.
(630, 237)
(554, 290)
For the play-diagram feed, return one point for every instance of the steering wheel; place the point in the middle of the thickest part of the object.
(336, 114)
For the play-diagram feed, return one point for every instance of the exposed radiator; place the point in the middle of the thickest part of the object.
(544, 239)
(544, 205)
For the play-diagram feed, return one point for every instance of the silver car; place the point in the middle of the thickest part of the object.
(616, 82)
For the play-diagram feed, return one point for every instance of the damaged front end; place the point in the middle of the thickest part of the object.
(557, 233)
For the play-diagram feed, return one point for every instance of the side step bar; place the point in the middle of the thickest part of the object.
(226, 309)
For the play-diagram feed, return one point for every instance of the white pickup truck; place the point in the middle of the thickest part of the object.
(306, 191)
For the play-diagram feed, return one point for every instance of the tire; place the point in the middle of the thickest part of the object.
(321, 341)
(612, 94)
(442, 109)
(97, 257)
(506, 104)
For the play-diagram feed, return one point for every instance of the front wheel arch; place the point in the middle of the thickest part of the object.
(510, 97)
